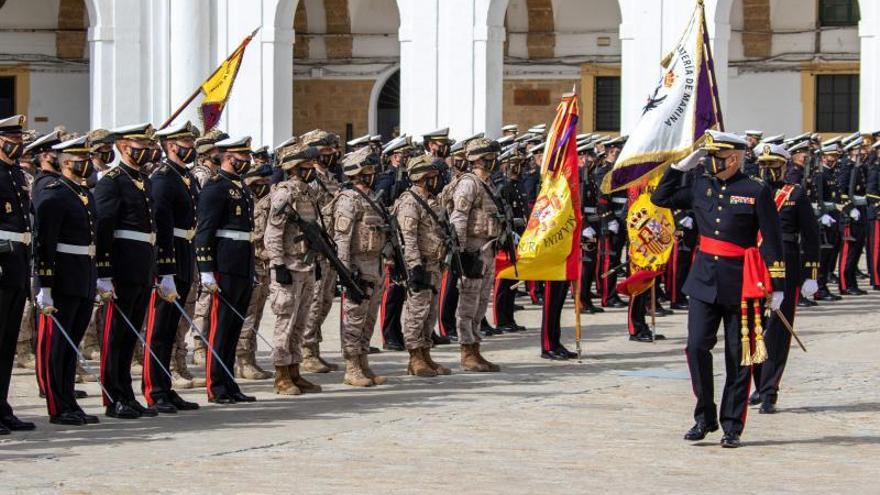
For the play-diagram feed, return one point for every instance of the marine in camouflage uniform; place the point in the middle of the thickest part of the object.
(475, 220)
(325, 185)
(418, 216)
(246, 351)
(358, 233)
(292, 267)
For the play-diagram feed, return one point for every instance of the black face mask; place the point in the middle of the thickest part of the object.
(490, 165)
(716, 165)
(260, 190)
(241, 166)
(514, 170)
(215, 159)
(442, 151)
(460, 165)
(140, 156)
(433, 185)
(155, 155)
(12, 150)
(306, 174)
(53, 163)
(773, 175)
(107, 156)
(368, 180)
(186, 155)
(83, 168)
(328, 160)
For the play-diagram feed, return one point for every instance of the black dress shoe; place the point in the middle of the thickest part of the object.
(835, 297)
(553, 356)
(181, 404)
(164, 406)
(393, 346)
(590, 309)
(755, 398)
(453, 337)
(855, 291)
(615, 303)
(12, 423)
(4, 430)
(768, 407)
(683, 305)
(438, 339)
(374, 350)
(88, 418)
(80, 394)
(662, 312)
(487, 328)
(121, 411)
(810, 302)
(699, 431)
(148, 412)
(518, 307)
(803, 302)
(644, 336)
(875, 287)
(730, 441)
(509, 328)
(823, 296)
(69, 418)
(562, 351)
(240, 397)
(222, 399)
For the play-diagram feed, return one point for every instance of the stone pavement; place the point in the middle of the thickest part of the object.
(612, 423)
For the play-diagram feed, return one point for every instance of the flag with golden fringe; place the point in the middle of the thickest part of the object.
(550, 247)
(218, 87)
(682, 106)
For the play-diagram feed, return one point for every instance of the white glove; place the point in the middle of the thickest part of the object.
(826, 220)
(687, 222)
(613, 226)
(45, 302)
(854, 214)
(691, 161)
(589, 233)
(167, 289)
(105, 289)
(809, 288)
(209, 282)
(516, 239)
(776, 301)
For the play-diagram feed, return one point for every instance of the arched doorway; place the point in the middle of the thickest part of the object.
(388, 108)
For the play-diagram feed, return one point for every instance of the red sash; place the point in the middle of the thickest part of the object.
(756, 278)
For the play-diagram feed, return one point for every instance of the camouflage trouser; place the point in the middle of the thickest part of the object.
(420, 315)
(201, 312)
(359, 320)
(94, 336)
(290, 303)
(179, 348)
(325, 290)
(473, 299)
(247, 341)
(28, 320)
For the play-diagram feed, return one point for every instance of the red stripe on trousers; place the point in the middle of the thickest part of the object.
(841, 268)
(440, 302)
(495, 301)
(39, 366)
(215, 304)
(629, 316)
(108, 319)
(606, 264)
(875, 245)
(545, 332)
(148, 363)
(386, 283)
(50, 396)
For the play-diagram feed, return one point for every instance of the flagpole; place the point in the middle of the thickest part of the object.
(654, 310)
(577, 316)
(198, 90)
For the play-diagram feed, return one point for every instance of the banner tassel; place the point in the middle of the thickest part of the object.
(760, 354)
(744, 330)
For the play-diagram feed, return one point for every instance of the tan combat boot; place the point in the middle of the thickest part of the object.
(354, 375)
(180, 377)
(439, 369)
(418, 366)
(312, 362)
(368, 372)
(246, 367)
(332, 366)
(283, 384)
(200, 356)
(90, 348)
(83, 376)
(306, 386)
(137, 360)
(24, 357)
(469, 361)
(492, 367)
(184, 372)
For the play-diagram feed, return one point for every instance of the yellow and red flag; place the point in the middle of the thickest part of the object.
(550, 247)
(218, 87)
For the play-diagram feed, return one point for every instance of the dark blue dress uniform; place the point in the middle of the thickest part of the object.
(827, 200)
(590, 253)
(504, 297)
(15, 240)
(679, 264)
(126, 236)
(851, 182)
(612, 207)
(873, 196)
(175, 196)
(224, 247)
(735, 211)
(800, 234)
(65, 263)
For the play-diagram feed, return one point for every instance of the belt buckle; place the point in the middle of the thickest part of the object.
(92, 251)
(190, 234)
(26, 238)
(152, 238)
(251, 237)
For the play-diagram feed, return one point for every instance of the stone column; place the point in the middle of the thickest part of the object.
(418, 37)
(869, 72)
(189, 54)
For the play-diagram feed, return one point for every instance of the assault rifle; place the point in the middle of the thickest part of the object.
(320, 242)
(506, 241)
(394, 244)
(450, 239)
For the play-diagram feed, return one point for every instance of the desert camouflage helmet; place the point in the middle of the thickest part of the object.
(295, 155)
(358, 162)
(481, 147)
(418, 166)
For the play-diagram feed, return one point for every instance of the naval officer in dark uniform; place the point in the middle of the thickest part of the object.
(225, 257)
(175, 196)
(730, 210)
(800, 232)
(15, 240)
(126, 235)
(66, 275)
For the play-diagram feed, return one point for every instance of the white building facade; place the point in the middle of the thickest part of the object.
(388, 66)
